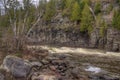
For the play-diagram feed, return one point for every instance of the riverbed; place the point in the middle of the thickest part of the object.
(97, 59)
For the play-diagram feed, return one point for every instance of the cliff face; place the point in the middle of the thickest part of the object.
(61, 31)
(61, 37)
(113, 40)
(55, 34)
(110, 42)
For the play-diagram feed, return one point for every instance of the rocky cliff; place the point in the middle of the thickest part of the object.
(62, 31)
(75, 38)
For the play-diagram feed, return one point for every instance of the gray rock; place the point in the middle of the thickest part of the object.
(2, 77)
(38, 64)
(16, 66)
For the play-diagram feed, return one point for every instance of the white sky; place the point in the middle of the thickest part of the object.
(34, 2)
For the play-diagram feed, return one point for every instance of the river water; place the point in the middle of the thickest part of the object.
(98, 60)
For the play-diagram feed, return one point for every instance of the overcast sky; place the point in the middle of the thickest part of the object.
(33, 1)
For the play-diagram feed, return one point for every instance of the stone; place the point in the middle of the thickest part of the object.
(16, 66)
(75, 72)
(53, 68)
(38, 64)
(2, 77)
(45, 61)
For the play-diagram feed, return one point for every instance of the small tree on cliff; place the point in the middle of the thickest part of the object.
(76, 12)
(116, 19)
(97, 7)
(86, 20)
(68, 4)
(86, 2)
(50, 10)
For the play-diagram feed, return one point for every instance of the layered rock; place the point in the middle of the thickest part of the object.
(113, 40)
(71, 37)
(62, 31)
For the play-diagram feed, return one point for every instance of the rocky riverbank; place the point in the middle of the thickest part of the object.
(42, 65)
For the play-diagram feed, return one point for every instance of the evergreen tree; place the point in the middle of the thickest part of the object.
(97, 7)
(86, 2)
(68, 7)
(63, 2)
(116, 19)
(103, 27)
(69, 3)
(76, 12)
(118, 1)
(110, 8)
(50, 10)
(86, 20)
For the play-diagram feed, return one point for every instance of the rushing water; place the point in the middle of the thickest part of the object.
(99, 60)
(53, 49)
(93, 69)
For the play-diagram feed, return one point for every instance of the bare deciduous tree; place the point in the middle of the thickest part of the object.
(20, 20)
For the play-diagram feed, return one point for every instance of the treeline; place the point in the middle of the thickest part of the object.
(78, 11)
(20, 18)
(89, 15)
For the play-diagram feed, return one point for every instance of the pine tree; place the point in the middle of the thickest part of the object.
(69, 3)
(76, 12)
(116, 19)
(50, 10)
(68, 6)
(86, 20)
(63, 4)
(97, 8)
(103, 27)
(118, 1)
(86, 2)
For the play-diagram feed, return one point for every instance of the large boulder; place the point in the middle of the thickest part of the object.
(16, 66)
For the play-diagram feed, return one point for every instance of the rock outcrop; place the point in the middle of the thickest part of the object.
(62, 31)
(71, 37)
(113, 40)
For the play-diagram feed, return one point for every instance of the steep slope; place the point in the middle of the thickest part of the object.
(61, 30)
